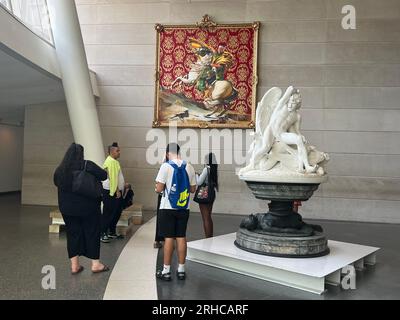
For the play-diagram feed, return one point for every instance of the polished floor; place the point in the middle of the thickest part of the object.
(26, 246)
(381, 281)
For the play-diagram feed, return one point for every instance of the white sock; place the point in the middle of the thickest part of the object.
(181, 268)
(166, 269)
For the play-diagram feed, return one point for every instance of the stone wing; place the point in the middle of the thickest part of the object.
(265, 108)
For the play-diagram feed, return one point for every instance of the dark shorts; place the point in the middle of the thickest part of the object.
(173, 223)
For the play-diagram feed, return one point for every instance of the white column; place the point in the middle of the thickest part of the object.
(76, 79)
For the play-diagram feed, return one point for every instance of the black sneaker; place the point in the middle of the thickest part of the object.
(104, 238)
(163, 276)
(181, 275)
(115, 236)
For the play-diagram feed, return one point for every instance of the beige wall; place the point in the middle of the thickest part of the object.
(11, 148)
(350, 80)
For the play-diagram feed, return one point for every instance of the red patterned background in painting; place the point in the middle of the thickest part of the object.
(176, 56)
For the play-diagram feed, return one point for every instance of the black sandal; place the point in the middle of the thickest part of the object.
(78, 271)
(105, 268)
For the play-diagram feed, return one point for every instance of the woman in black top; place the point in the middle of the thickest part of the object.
(81, 214)
(209, 175)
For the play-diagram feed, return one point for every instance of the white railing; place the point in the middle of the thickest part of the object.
(32, 13)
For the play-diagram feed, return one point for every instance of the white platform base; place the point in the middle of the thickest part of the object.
(309, 274)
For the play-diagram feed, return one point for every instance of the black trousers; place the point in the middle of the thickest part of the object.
(111, 206)
(158, 237)
(83, 235)
(114, 220)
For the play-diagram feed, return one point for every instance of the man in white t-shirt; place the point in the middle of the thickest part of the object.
(173, 222)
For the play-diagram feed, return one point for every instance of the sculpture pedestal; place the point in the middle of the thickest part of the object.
(281, 231)
(282, 246)
(310, 275)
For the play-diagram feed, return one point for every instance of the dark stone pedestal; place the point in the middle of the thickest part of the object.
(281, 231)
(315, 245)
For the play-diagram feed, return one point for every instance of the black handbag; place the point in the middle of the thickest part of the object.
(205, 193)
(86, 184)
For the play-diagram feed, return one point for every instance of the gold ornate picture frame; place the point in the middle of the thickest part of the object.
(206, 75)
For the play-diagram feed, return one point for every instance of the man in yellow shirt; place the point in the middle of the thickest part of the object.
(111, 191)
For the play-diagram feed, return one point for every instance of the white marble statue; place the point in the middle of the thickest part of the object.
(278, 144)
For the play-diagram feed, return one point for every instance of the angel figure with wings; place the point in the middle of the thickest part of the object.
(277, 131)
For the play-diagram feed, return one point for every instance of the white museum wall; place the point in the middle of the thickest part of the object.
(11, 159)
(350, 81)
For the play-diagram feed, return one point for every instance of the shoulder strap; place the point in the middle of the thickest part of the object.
(84, 165)
(183, 165)
(173, 164)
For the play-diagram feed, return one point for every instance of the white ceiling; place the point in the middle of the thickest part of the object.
(23, 84)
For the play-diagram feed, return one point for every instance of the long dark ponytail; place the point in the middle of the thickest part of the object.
(212, 162)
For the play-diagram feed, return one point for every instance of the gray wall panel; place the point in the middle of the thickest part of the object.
(350, 81)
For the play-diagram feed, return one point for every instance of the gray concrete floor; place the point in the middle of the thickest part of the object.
(26, 246)
(381, 281)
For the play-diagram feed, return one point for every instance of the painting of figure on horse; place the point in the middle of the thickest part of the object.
(206, 76)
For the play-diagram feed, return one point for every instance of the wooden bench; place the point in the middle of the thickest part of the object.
(132, 215)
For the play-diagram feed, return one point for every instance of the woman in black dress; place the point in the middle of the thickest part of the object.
(81, 214)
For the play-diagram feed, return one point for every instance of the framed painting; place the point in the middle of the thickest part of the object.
(206, 75)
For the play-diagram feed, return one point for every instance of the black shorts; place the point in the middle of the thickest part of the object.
(173, 223)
